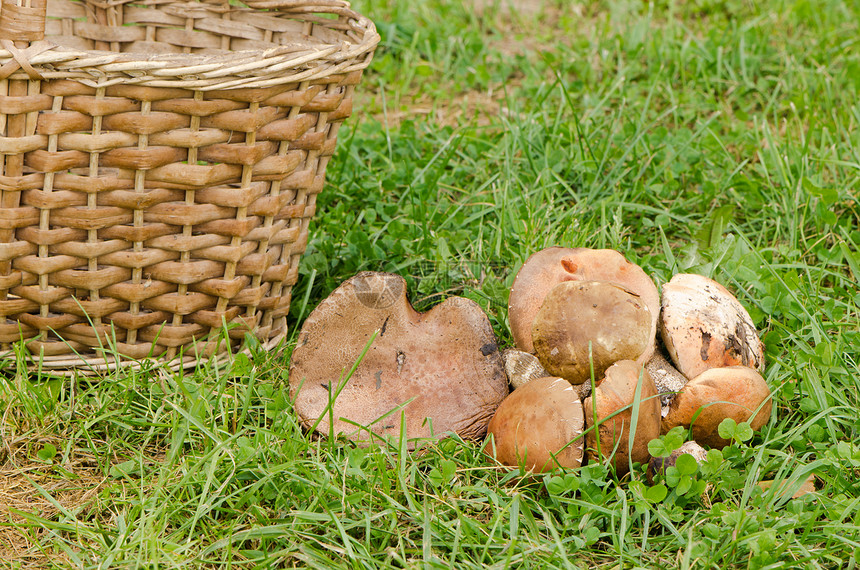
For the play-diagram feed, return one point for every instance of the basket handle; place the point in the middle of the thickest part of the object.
(22, 20)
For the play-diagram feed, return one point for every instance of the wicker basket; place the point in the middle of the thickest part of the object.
(161, 161)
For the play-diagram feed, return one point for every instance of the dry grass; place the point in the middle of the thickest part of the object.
(470, 107)
(525, 28)
(34, 489)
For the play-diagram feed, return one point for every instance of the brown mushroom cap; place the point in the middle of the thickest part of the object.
(537, 426)
(442, 367)
(549, 267)
(575, 314)
(615, 392)
(734, 392)
(704, 326)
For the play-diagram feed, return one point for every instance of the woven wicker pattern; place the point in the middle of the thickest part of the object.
(161, 161)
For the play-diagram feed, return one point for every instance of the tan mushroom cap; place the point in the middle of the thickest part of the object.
(442, 367)
(538, 426)
(704, 326)
(616, 392)
(549, 267)
(734, 392)
(578, 316)
(783, 487)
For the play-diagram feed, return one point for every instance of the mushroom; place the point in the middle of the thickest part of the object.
(734, 392)
(441, 369)
(549, 267)
(539, 426)
(616, 395)
(585, 323)
(660, 464)
(523, 367)
(667, 379)
(784, 486)
(704, 326)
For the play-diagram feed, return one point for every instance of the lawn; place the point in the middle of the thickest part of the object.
(719, 137)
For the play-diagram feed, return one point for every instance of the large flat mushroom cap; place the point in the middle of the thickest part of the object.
(538, 426)
(547, 268)
(704, 326)
(734, 392)
(441, 368)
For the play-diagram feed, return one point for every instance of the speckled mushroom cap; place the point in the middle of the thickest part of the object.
(442, 367)
(734, 392)
(615, 392)
(704, 326)
(549, 267)
(539, 426)
(661, 464)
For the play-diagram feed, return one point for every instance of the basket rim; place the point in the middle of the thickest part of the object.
(254, 68)
(88, 365)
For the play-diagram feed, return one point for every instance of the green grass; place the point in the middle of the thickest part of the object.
(713, 136)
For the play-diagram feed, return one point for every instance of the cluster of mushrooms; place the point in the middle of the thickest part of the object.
(595, 344)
